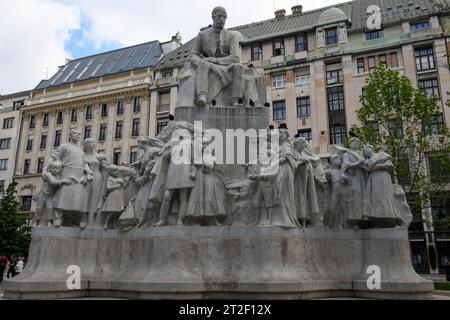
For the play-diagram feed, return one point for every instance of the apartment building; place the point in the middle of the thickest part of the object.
(10, 106)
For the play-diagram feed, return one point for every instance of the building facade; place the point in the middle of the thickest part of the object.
(106, 97)
(10, 106)
(316, 65)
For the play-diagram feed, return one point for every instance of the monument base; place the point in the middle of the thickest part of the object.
(219, 263)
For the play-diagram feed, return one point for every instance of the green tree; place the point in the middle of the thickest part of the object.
(404, 121)
(15, 235)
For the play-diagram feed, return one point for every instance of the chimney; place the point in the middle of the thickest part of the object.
(297, 9)
(280, 13)
(67, 61)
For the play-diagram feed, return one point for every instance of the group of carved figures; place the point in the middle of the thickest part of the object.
(355, 190)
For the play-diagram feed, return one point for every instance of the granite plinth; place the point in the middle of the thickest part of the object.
(219, 263)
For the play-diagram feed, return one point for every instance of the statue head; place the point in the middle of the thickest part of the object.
(74, 136)
(300, 143)
(355, 143)
(55, 167)
(284, 135)
(113, 170)
(89, 145)
(368, 151)
(219, 16)
(336, 161)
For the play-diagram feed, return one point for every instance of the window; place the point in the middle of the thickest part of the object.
(278, 47)
(360, 65)
(120, 107)
(119, 126)
(371, 35)
(74, 115)
(116, 157)
(88, 112)
(57, 141)
(301, 43)
(40, 166)
(436, 163)
(87, 132)
(3, 164)
(305, 134)
(26, 167)
(18, 104)
(278, 81)
(303, 107)
(395, 128)
(102, 135)
(383, 60)
(43, 143)
(302, 77)
(5, 143)
(420, 25)
(336, 115)
(436, 126)
(29, 143)
(32, 122)
(394, 60)
(2, 188)
(431, 87)
(425, 59)
(104, 110)
(334, 77)
(166, 74)
(372, 64)
(162, 123)
(137, 104)
(8, 123)
(257, 52)
(59, 118)
(135, 129)
(134, 155)
(279, 110)
(440, 205)
(45, 120)
(26, 204)
(404, 172)
(331, 36)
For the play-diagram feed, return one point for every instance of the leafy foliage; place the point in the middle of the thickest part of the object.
(403, 121)
(15, 235)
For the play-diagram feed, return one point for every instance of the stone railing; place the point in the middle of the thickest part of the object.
(95, 90)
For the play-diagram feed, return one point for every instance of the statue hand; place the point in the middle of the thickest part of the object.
(66, 182)
(211, 60)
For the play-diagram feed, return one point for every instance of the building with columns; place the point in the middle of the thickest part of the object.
(105, 96)
(316, 64)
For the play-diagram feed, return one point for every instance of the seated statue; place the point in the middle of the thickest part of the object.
(214, 74)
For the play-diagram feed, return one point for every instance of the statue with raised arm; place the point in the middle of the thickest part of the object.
(214, 74)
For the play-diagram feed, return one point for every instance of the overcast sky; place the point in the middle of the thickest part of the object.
(36, 36)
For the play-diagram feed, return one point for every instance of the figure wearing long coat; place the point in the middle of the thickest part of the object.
(285, 214)
(357, 186)
(71, 197)
(94, 188)
(380, 201)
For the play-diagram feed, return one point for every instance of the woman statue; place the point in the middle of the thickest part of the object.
(144, 166)
(352, 167)
(72, 199)
(285, 215)
(380, 203)
(95, 187)
(207, 199)
(305, 187)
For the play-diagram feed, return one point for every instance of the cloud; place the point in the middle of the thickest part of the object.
(40, 34)
(32, 37)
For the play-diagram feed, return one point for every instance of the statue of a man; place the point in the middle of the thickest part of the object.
(217, 50)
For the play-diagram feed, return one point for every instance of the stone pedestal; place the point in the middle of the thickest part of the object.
(219, 263)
